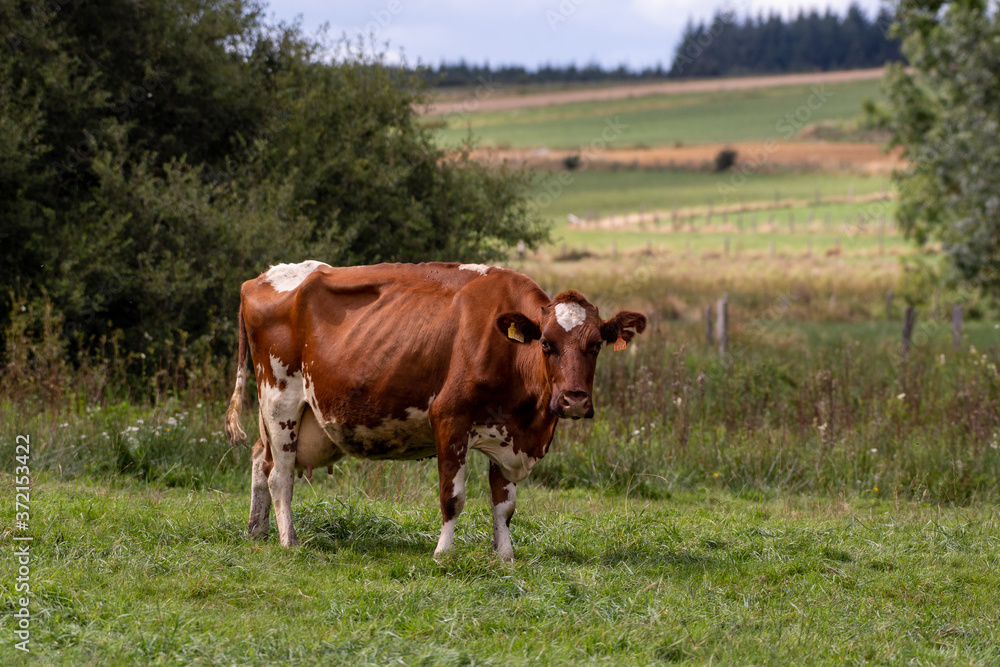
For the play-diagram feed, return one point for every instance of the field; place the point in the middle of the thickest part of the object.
(813, 494)
(661, 119)
(129, 574)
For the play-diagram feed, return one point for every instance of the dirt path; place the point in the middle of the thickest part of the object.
(497, 101)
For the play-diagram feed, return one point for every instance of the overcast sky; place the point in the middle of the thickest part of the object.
(638, 33)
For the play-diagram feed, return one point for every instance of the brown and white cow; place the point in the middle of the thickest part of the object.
(400, 361)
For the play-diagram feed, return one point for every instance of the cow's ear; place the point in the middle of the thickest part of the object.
(518, 327)
(626, 324)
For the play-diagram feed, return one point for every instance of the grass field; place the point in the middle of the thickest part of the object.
(124, 573)
(662, 119)
(615, 193)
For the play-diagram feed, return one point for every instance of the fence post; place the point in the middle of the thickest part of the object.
(722, 324)
(909, 320)
(709, 332)
(956, 326)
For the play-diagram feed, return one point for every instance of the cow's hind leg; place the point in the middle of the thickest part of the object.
(260, 497)
(282, 437)
(503, 497)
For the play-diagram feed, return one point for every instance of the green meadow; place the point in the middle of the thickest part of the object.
(738, 115)
(125, 573)
(811, 496)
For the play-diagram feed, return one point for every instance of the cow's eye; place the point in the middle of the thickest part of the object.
(596, 347)
(547, 347)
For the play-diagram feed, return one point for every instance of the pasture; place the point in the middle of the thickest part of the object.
(812, 495)
(127, 572)
(660, 119)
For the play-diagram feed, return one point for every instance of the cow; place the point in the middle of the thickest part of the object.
(410, 361)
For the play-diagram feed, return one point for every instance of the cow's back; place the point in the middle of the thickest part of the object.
(373, 345)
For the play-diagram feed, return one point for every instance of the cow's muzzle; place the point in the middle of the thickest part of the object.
(573, 405)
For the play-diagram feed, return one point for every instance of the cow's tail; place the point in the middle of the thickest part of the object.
(233, 428)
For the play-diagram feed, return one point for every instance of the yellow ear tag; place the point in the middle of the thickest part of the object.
(620, 344)
(514, 334)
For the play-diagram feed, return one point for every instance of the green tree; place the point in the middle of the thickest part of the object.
(154, 155)
(946, 116)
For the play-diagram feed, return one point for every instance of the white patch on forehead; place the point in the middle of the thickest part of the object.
(481, 269)
(286, 277)
(570, 315)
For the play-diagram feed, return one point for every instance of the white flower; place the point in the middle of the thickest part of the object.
(873, 450)
(941, 360)
(901, 396)
(139, 421)
(202, 440)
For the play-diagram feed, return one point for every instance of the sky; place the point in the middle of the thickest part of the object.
(637, 33)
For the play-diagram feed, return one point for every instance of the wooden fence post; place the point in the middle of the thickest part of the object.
(956, 326)
(909, 320)
(722, 324)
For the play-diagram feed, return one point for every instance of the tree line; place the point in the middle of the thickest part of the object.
(769, 44)
(725, 46)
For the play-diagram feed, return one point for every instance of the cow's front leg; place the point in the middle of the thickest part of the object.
(260, 496)
(503, 497)
(451, 482)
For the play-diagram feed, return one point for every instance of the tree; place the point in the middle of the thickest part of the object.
(154, 155)
(946, 116)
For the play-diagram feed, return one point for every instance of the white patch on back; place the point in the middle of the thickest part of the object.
(481, 269)
(286, 277)
(498, 446)
(570, 315)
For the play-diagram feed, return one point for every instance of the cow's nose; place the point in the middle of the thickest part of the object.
(574, 405)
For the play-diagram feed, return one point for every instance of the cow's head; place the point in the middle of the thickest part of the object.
(569, 335)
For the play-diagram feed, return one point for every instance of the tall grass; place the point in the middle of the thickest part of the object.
(808, 399)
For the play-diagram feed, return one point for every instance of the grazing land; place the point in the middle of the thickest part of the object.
(755, 114)
(127, 573)
(811, 494)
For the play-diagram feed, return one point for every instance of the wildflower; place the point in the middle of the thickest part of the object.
(172, 422)
(875, 489)
(139, 421)
(636, 432)
(873, 450)
(941, 360)
(715, 474)
(64, 425)
(678, 400)
(901, 396)
(202, 440)
(822, 428)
